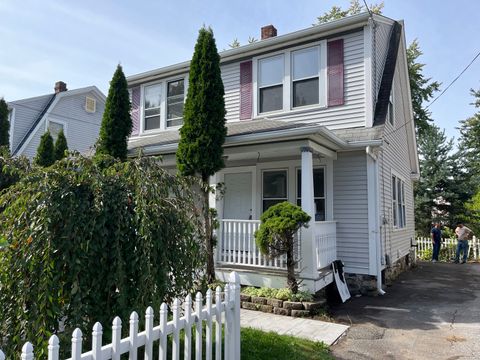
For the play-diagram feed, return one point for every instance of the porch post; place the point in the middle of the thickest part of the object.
(308, 245)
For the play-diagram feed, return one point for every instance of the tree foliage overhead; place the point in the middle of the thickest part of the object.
(200, 150)
(116, 122)
(89, 241)
(355, 7)
(45, 152)
(4, 124)
(276, 235)
(421, 88)
(60, 146)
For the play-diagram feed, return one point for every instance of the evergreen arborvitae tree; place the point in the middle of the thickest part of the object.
(200, 151)
(433, 192)
(4, 124)
(116, 123)
(45, 151)
(60, 146)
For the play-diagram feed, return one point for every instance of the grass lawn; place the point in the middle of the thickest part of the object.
(259, 345)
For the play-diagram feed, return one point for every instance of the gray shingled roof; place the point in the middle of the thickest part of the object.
(360, 134)
(235, 128)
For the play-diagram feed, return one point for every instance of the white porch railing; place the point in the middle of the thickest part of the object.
(236, 246)
(425, 244)
(325, 243)
(227, 306)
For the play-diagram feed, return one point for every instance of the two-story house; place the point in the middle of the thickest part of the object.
(77, 112)
(320, 117)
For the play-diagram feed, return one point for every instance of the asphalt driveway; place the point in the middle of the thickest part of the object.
(430, 312)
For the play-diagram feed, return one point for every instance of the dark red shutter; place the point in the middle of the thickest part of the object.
(335, 72)
(135, 112)
(246, 90)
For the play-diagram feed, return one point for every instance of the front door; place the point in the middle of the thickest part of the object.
(237, 201)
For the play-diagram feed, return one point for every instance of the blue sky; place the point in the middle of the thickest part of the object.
(81, 42)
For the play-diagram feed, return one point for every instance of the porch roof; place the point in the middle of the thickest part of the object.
(266, 131)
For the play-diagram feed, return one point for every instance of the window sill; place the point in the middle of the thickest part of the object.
(294, 111)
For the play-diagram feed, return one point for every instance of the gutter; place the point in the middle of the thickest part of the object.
(277, 42)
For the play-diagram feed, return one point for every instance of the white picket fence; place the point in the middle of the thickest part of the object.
(425, 244)
(226, 309)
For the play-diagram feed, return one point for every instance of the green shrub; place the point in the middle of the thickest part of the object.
(88, 241)
(284, 294)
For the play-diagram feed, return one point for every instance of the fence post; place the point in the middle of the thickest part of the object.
(133, 336)
(208, 327)
(218, 323)
(198, 328)
(97, 341)
(27, 351)
(53, 348)
(162, 344)
(149, 333)
(228, 325)
(176, 330)
(188, 327)
(77, 344)
(116, 337)
(2, 355)
(235, 297)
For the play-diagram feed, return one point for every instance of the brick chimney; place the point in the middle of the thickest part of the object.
(60, 86)
(268, 32)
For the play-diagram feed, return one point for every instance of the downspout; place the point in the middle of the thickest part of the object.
(378, 248)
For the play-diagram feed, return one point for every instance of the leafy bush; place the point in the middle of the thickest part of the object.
(12, 169)
(88, 241)
(276, 234)
(284, 294)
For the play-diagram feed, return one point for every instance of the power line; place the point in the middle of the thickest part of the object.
(368, 9)
(453, 81)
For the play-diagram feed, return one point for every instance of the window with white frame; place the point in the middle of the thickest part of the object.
(152, 95)
(318, 192)
(271, 72)
(54, 128)
(274, 189)
(305, 76)
(175, 100)
(398, 202)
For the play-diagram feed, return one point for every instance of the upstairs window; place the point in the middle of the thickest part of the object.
(175, 100)
(152, 105)
(305, 76)
(270, 83)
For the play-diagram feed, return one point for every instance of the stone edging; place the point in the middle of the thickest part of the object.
(280, 307)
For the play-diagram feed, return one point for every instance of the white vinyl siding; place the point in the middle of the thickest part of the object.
(394, 160)
(351, 114)
(350, 210)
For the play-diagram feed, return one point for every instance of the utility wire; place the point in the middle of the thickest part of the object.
(443, 92)
(368, 9)
(453, 81)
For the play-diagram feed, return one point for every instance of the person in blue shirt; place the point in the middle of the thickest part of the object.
(436, 240)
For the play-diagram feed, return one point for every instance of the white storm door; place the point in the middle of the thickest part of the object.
(237, 201)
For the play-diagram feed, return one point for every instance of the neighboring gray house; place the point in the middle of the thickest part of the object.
(320, 117)
(78, 112)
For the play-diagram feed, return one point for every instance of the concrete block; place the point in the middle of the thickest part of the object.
(292, 305)
(275, 302)
(300, 313)
(282, 311)
(259, 300)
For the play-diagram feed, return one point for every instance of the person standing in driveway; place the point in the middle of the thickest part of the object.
(436, 240)
(463, 233)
